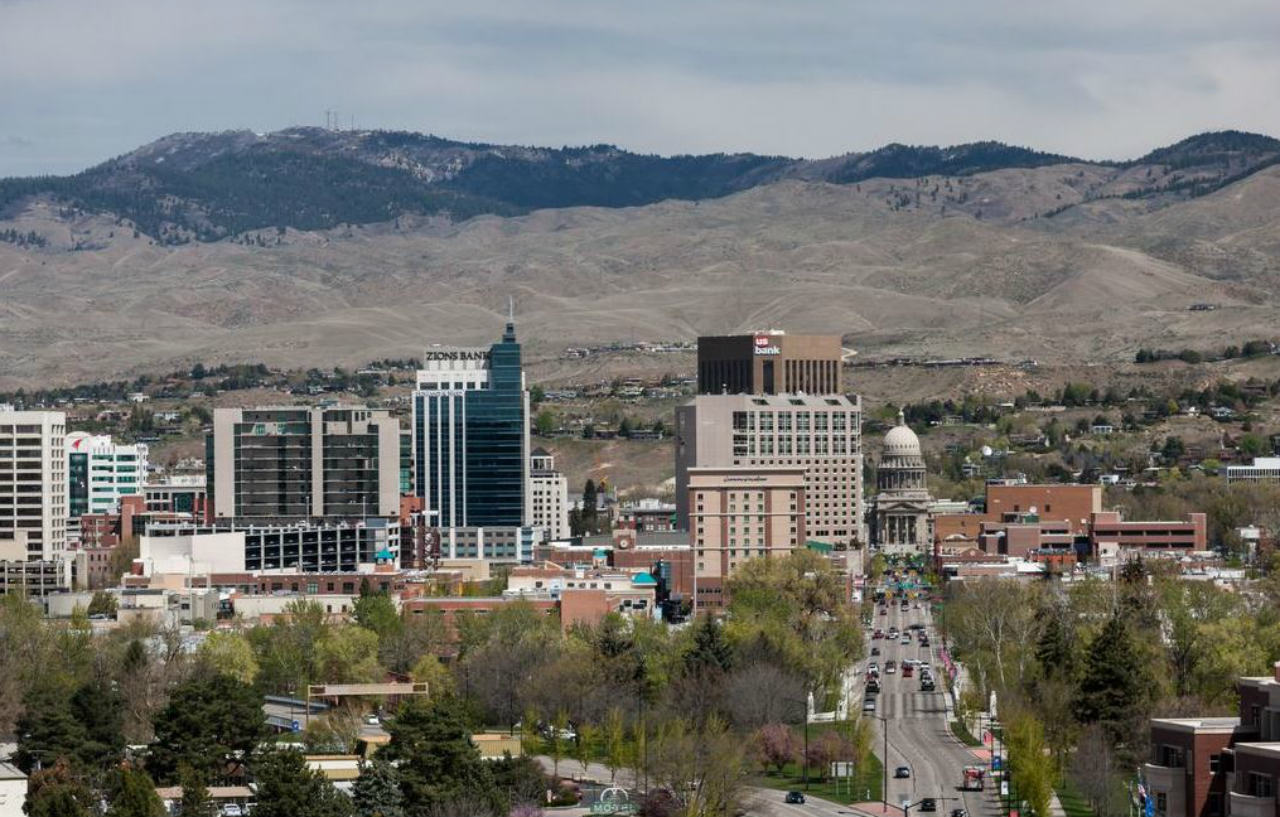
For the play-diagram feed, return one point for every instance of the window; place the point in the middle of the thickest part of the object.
(1258, 785)
(1215, 761)
(766, 421)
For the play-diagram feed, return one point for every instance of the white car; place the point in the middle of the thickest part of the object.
(232, 810)
(372, 720)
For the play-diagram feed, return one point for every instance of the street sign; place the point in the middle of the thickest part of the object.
(997, 763)
(296, 726)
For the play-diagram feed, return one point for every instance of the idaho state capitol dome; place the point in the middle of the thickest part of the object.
(901, 441)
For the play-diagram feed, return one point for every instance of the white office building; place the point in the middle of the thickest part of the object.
(33, 501)
(1264, 469)
(100, 472)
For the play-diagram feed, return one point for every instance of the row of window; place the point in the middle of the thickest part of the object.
(799, 420)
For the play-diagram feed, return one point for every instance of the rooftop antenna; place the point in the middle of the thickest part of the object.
(511, 309)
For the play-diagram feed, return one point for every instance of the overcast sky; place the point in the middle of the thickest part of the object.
(83, 80)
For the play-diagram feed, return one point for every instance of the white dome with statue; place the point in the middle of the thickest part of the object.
(901, 441)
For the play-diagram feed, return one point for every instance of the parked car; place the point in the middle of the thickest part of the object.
(868, 704)
(232, 810)
(875, 650)
(795, 797)
(902, 772)
(928, 804)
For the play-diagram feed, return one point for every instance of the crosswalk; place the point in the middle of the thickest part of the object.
(908, 705)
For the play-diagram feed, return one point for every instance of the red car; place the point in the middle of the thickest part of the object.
(878, 634)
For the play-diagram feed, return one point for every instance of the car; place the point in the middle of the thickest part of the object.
(924, 643)
(878, 634)
(902, 772)
(928, 804)
(875, 650)
(794, 797)
(927, 686)
(906, 639)
(372, 720)
(884, 611)
(890, 669)
(232, 810)
(959, 812)
(868, 704)
(906, 671)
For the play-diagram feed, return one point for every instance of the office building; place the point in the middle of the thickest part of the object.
(769, 362)
(821, 434)
(1263, 469)
(101, 471)
(179, 493)
(33, 485)
(741, 513)
(297, 462)
(900, 520)
(548, 496)
(471, 436)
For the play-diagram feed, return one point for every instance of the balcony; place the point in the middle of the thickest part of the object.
(1243, 805)
(1171, 781)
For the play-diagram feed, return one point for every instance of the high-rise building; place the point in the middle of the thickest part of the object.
(741, 513)
(821, 434)
(101, 471)
(549, 496)
(471, 436)
(769, 362)
(296, 462)
(33, 501)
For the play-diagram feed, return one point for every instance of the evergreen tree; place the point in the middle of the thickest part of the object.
(710, 650)
(1111, 692)
(377, 791)
(1053, 648)
(195, 795)
(54, 792)
(133, 794)
(437, 761)
(208, 723)
(287, 787)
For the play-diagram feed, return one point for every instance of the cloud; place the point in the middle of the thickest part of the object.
(806, 77)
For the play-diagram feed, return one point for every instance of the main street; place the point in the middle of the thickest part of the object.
(919, 735)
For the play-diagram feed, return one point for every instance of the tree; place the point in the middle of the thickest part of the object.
(710, 652)
(437, 761)
(1112, 689)
(377, 612)
(1032, 768)
(209, 723)
(587, 737)
(615, 742)
(196, 801)
(376, 791)
(545, 423)
(288, 787)
(102, 604)
(85, 728)
(559, 726)
(55, 792)
(775, 745)
(231, 654)
(348, 655)
(133, 794)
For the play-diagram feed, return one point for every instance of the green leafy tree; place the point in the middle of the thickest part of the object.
(229, 653)
(103, 604)
(615, 742)
(209, 724)
(545, 423)
(556, 743)
(377, 612)
(287, 787)
(437, 761)
(133, 794)
(376, 791)
(348, 655)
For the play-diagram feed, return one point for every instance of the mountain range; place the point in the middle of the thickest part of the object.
(314, 247)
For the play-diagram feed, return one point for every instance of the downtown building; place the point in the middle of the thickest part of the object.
(471, 462)
(33, 502)
(821, 434)
(295, 462)
(101, 472)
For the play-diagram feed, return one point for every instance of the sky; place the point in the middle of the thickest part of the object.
(84, 80)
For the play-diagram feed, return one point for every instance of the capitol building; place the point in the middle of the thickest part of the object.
(900, 515)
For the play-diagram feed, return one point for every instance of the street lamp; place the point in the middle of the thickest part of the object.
(884, 765)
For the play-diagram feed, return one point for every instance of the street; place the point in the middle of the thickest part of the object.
(918, 733)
